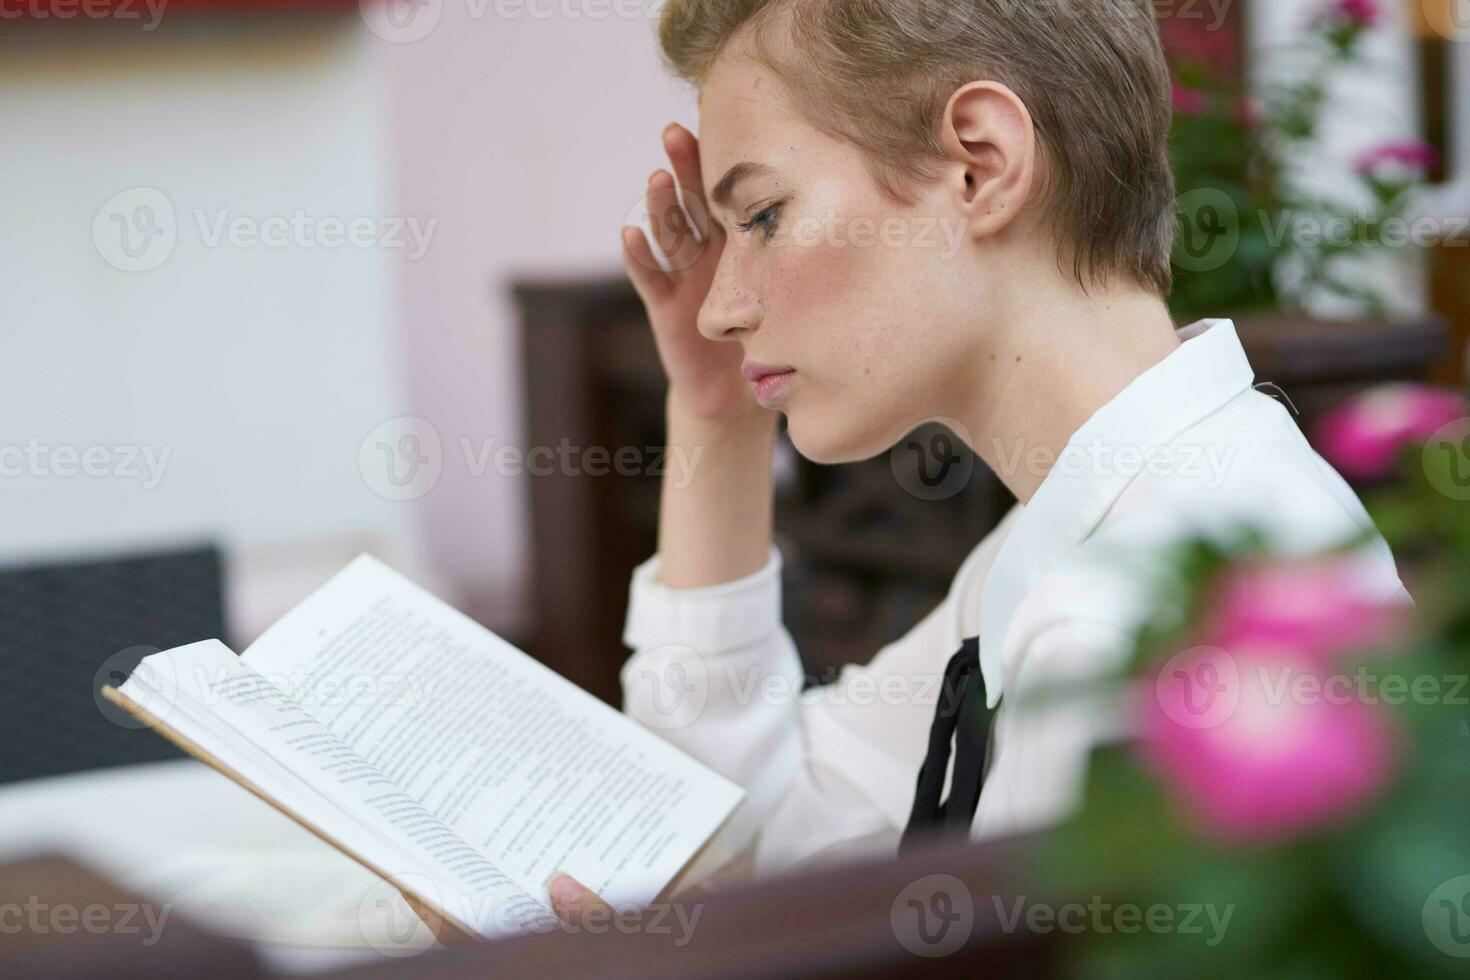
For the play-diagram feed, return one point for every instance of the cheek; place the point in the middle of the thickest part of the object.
(840, 306)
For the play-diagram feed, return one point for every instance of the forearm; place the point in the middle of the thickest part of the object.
(716, 508)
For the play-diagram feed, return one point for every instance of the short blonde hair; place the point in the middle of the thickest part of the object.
(878, 74)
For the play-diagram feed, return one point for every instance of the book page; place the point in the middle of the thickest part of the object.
(211, 697)
(534, 772)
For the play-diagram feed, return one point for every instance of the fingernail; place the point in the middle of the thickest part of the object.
(565, 890)
(669, 127)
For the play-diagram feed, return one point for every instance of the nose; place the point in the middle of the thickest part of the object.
(731, 310)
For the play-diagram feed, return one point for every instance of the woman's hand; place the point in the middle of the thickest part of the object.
(704, 375)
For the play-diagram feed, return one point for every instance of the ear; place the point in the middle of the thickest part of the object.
(991, 141)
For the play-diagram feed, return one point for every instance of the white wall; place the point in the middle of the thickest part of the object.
(531, 138)
(251, 373)
(526, 140)
(1371, 105)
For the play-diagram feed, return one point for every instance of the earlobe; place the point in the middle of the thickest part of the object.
(991, 141)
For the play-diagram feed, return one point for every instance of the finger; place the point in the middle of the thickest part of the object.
(571, 899)
(678, 238)
(649, 278)
(682, 147)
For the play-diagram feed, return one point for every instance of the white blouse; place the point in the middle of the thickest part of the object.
(1054, 593)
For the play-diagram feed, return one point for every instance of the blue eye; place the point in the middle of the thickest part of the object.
(765, 220)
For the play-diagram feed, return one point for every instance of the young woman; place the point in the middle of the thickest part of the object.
(911, 210)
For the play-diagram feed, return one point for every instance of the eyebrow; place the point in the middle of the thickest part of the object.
(725, 189)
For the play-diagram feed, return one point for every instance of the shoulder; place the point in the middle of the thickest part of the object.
(1247, 465)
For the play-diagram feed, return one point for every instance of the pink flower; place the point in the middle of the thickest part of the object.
(1366, 13)
(1314, 606)
(1363, 437)
(1188, 101)
(1267, 759)
(1358, 14)
(1401, 160)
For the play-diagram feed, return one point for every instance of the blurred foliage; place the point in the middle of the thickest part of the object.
(1381, 890)
(1251, 224)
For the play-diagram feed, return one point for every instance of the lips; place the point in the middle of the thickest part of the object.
(771, 381)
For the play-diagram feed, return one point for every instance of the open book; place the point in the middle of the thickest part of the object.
(436, 754)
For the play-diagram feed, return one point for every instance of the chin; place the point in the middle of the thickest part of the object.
(830, 441)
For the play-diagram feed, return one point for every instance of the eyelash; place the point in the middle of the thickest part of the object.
(766, 219)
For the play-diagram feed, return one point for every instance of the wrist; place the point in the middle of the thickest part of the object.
(746, 417)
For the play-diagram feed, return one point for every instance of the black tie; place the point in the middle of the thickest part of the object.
(962, 716)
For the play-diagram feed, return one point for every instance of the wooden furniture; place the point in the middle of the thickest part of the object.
(931, 914)
(867, 550)
(63, 920)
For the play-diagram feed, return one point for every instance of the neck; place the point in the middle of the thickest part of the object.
(1059, 359)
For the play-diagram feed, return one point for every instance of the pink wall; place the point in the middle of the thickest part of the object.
(530, 140)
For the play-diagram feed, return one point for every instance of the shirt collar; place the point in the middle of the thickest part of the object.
(1100, 460)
